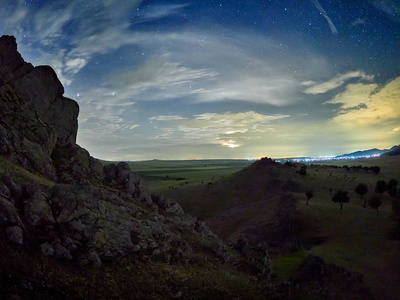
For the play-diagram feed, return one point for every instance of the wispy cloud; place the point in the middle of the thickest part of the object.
(156, 12)
(167, 118)
(358, 22)
(323, 12)
(335, 82)
(77, 29)
(391, 8)
(158, 74)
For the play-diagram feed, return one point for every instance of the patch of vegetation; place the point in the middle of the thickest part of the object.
(286, 266)
(21, 175)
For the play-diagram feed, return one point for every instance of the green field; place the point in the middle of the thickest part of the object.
(162, 176)
(355, 238)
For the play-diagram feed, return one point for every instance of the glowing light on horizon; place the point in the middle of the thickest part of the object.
(230, 144)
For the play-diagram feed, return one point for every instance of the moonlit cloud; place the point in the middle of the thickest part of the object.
(337, 81)
(375, 104)
(75, 65)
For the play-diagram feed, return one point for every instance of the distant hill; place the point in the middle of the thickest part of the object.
(395, 150)
(369, 152)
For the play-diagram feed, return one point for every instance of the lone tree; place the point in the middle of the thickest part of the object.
(340, 197)
(392, 187)
(361, 190)
(309, 195)
(381, 187)
(375, 202)
(303, 171)
(376, 169)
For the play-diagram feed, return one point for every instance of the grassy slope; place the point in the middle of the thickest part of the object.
(357, 236)
(354, 238)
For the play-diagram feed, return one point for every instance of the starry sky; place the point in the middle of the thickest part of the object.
(191, 79)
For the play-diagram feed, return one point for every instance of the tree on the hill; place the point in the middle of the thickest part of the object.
(376, 169)
(392, 187)
(361, 190)
(381, 187)
(303, 171)
(341, 197)
(309, 195)
(375, 202)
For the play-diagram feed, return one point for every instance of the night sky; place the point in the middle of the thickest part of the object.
(190, 79)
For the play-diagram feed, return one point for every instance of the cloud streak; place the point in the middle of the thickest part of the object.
(328, 19)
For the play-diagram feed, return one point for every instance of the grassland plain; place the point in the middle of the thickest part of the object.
(355, 238)
(162, 176)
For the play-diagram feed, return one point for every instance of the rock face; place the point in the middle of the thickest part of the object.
(35, 119)
(57, 198)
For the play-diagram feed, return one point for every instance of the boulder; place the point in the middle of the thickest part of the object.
(15, 234)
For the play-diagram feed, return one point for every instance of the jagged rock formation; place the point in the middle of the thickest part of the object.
(56, 197)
